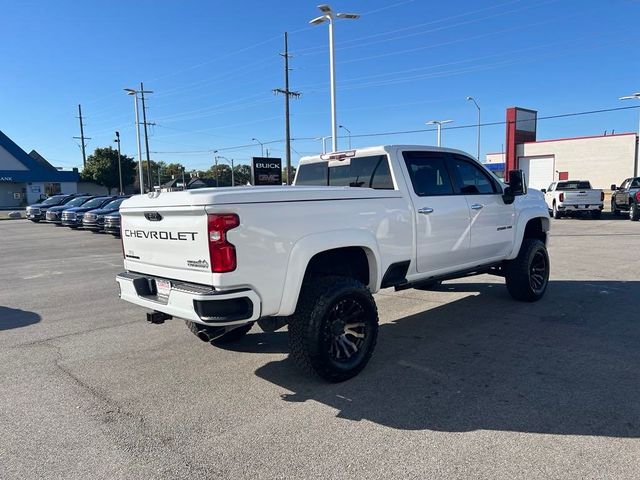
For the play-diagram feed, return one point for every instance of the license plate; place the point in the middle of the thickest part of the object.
(163, 287)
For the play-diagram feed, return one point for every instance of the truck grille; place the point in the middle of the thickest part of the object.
(90, 217)
(35, 211)
(68, 216)
(111, 222)
(52, 215)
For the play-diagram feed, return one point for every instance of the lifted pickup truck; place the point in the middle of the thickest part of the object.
(626, 198)
(311, 256)
(574, 197)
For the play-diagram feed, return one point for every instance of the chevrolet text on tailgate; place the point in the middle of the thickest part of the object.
(310, 256)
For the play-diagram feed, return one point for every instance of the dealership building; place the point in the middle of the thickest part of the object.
(602, 159)
(25, 177)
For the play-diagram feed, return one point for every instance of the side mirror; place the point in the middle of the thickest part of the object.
(613, 187)
(517, 183)
(543, 190)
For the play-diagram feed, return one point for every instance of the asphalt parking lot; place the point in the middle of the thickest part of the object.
(464, 383)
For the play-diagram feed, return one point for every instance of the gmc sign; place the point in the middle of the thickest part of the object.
(266, 171)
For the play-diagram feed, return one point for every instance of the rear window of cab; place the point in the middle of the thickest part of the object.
(368, 172)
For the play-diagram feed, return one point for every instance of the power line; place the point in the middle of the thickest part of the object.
(421, 130)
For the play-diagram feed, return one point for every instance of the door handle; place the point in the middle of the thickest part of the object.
(476, 206)
(425, 210)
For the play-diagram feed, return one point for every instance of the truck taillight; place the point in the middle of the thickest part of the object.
(637, 196)
(222, 254)
(602, 196)
(561, 197)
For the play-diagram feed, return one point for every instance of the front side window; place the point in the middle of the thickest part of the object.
(428, 173)
(470, 179)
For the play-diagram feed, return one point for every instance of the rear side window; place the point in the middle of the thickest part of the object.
(469, 178)
(312, 174)
(368, 172)
(635, 183)
(428, 173)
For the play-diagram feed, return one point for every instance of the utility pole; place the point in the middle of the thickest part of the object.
(82, 138)
(287, 94)
(146, 134)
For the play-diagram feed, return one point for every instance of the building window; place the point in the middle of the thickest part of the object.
(52, 189)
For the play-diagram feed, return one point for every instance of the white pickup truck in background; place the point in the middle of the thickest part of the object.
(570, 197)
(310, 256)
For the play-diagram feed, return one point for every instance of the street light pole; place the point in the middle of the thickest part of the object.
(348, 134)
(635, 96)
(478, 107)
(133, 92)
(438, 124)
(261, 146)
(117, 140)
(329, 16)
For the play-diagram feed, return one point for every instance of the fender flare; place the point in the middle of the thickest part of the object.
(307, 247)
(524, 218)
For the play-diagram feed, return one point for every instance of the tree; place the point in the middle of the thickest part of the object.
(102, 168)
(242, 174)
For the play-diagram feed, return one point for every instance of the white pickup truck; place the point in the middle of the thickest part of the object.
(310, 256)
(570, 197)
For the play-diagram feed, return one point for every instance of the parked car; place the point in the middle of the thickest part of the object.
(626, 198)
(112, 224)
(574, 197)
(72, 217)
(94, 219)
(37, 211)
(54, 214)
(223, 259)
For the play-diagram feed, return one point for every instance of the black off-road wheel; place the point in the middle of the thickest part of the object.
(527, 275)
(634, 212)
(596, 214)
(334, 330)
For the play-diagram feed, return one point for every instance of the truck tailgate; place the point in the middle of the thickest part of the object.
(582, 197)
(168, 242)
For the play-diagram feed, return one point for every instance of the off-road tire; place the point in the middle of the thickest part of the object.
(596, 214)
(523, 273)
(326, 303)
(614, 208)
(35, 220)
(556, 213)
(634, 212)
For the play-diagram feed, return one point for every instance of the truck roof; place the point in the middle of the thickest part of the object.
(379, 149)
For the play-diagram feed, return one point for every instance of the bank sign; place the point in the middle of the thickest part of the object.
(6, 179)
(266, 171)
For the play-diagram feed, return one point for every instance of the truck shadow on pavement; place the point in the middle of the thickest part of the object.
(16, 318)
(569, 364)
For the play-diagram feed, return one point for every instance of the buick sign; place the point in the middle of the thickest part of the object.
(266, 171)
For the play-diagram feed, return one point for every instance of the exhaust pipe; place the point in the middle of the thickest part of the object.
(209, 334)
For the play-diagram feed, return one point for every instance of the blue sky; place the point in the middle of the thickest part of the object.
(213, 65)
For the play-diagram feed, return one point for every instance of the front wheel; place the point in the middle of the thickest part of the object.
(634, 212)
(334, 330)
(527, 275)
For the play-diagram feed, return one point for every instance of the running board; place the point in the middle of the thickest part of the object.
(491, 269)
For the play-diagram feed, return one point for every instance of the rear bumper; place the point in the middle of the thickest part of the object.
(197, 303)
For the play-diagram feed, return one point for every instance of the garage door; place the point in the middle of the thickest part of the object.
(538, 171)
